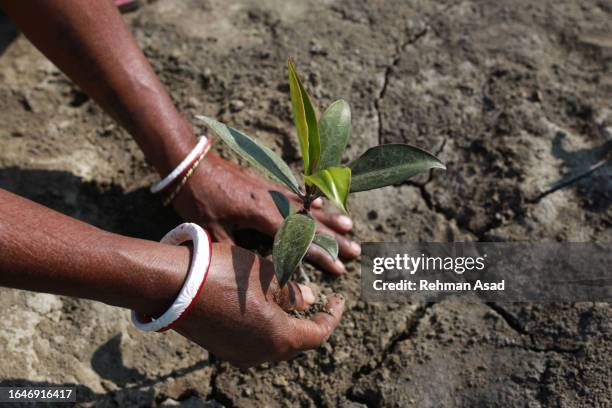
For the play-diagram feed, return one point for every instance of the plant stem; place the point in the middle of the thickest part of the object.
(311, 195)
(307, 202)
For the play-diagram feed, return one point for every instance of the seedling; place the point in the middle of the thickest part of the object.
(322, 143)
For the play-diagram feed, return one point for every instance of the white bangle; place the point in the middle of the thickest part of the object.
(200, 263)
(187, 161)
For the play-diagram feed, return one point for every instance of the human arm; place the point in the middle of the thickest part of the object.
(240, 315)
(89, 41)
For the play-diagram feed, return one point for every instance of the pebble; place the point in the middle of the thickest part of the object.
(280, 381)
(236, 105)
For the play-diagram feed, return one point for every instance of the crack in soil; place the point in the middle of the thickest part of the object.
(431, 205)
(510, 319)
(411, 327)
(215, 393)
(529, 341)
(387, 76)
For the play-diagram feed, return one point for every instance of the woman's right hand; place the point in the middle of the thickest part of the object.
(241, 313)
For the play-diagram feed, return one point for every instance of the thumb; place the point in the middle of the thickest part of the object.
(294, 296)
(311, 334)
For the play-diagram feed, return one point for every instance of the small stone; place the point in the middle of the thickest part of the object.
(169, 402)
(193, 102)
(341, 356)
(317, 49)
(44, 303)
(236, 105)
(280, 381)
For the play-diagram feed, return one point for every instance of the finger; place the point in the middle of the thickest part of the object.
(318, 256)
(346, 247)
(312, 333)
(338, 222)
(317, 203)
(294, 296)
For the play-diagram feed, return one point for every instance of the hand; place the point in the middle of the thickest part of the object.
(240, 316)
(225, 197)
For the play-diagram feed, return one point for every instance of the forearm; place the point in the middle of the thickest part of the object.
(89, 41)
(45, 251)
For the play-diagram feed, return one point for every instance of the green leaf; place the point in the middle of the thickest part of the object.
(305, 121)
(290, 245)
(258, 155)
(328, 243)
(334, 127)
(282, 203)
(334, 182)
(389, 164)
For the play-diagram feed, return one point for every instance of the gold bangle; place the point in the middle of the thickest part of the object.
(180, 185)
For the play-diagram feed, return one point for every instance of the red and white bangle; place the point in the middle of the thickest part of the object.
(198, 271)
(183, 166)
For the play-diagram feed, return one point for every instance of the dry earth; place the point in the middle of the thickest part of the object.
(515, 96)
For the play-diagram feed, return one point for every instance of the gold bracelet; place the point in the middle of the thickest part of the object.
(180, 185)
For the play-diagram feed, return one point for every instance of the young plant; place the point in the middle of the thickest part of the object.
(322, 143)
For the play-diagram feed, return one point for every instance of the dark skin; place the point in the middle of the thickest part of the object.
(48, 252)
(240, 316)
(89, 41)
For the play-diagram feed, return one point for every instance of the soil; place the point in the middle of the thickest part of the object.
(516, 98)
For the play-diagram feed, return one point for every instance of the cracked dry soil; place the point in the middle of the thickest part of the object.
(515, 96)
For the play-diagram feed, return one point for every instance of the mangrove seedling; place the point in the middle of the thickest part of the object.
(322, 143)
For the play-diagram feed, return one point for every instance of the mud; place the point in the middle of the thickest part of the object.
(516, 98)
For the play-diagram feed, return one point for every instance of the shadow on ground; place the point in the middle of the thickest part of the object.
(136, 214)
(136, 388)
(8, 32)
(590, 170)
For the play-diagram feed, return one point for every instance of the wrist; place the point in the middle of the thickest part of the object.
(168, 273)
(152, 274)
(170, 149)
(193, 201)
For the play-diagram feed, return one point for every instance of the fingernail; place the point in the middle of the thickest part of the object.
(345, 222)
(307, 294)
(355, 248)
(339, 265)
(318, 202)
